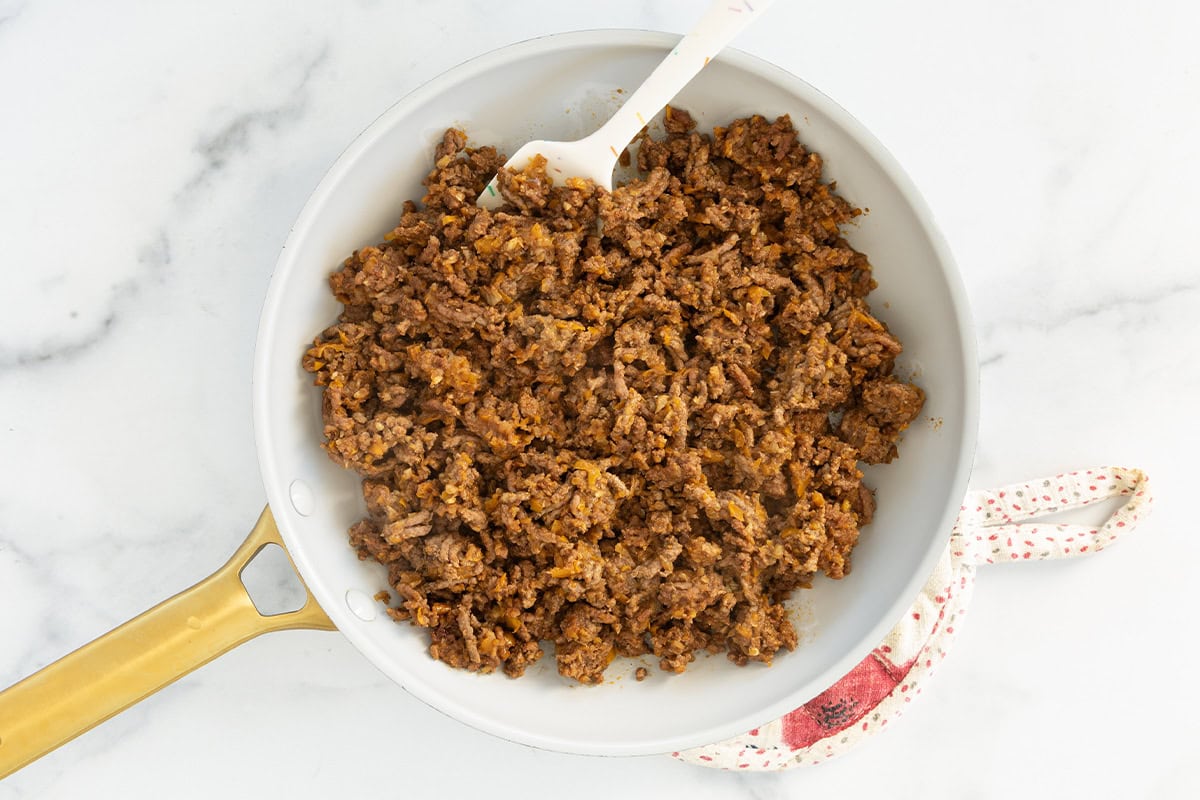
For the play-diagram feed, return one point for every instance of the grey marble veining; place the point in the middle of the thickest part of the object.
(9, 12)
(236, 138)
(1130, 312)
(58, 349)
(152, 160)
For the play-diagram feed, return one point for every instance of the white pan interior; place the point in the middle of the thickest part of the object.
(562, 87)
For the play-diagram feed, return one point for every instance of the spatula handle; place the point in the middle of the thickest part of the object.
(723, 21)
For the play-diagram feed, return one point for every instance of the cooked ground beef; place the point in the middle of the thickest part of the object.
(625, 422)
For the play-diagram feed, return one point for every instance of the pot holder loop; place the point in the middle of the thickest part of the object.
(994, 526)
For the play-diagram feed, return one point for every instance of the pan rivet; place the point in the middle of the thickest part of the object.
(362, 605)
(302, 498)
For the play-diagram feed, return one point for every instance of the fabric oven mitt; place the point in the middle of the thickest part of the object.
(993, 527)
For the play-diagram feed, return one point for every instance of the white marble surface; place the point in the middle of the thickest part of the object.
(152, 159)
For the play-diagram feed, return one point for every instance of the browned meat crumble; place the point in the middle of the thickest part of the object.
(623, 423)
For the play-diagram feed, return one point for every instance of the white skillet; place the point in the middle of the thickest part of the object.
(558, 87)
(561, 87)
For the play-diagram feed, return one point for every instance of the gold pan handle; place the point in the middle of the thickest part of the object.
(104, 677)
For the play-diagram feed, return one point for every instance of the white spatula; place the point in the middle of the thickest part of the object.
(595, 156)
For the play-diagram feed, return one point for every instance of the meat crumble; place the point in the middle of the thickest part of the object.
(627, 423)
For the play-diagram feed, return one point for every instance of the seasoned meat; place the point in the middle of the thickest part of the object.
(885, 407)
(626, 423)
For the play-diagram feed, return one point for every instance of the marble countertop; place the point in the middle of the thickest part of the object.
(153, 158)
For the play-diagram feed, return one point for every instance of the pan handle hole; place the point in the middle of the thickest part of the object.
(272, 583)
